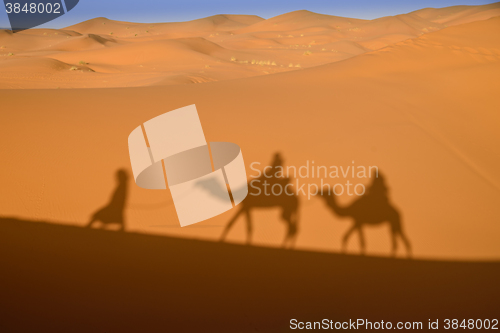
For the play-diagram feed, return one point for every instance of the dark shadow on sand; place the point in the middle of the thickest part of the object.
(58, 278)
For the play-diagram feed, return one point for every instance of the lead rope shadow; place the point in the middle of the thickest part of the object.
(113, 212)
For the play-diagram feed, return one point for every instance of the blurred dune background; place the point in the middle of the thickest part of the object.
(414, 94)
(106, 53)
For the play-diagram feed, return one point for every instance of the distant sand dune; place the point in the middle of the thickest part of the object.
(214, 48)
(84, 42)
(459, 14)
(32, 66)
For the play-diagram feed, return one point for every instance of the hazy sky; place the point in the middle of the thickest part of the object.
(183, 10)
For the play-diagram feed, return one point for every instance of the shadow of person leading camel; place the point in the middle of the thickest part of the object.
(372, 208)
(257, 199)
(113, 212)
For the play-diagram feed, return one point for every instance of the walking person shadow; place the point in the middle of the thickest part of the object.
(112, 213)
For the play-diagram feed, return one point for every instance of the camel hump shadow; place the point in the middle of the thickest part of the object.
(372, 208)
(113, 212)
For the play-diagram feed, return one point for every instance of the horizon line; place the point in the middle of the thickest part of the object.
(262, 17)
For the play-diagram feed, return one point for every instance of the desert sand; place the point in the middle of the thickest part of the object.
(424, 110)
(82, 280)
(414, 94)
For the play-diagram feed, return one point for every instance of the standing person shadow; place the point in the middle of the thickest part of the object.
(112, 213)
(373, 208)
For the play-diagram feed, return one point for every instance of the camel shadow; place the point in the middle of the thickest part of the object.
(259, 197)
(372, 208)
(113, 212)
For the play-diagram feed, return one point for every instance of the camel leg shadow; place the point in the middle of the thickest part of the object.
(291, 235)
(349, 233)
(406, 242)
(231, 223)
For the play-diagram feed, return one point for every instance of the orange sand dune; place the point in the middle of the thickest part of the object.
(121, 54)
(299, 20)
(84, 42)
(424, 110)
(459, 14)
(32, 40)
(102, 25)
(33, 65)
